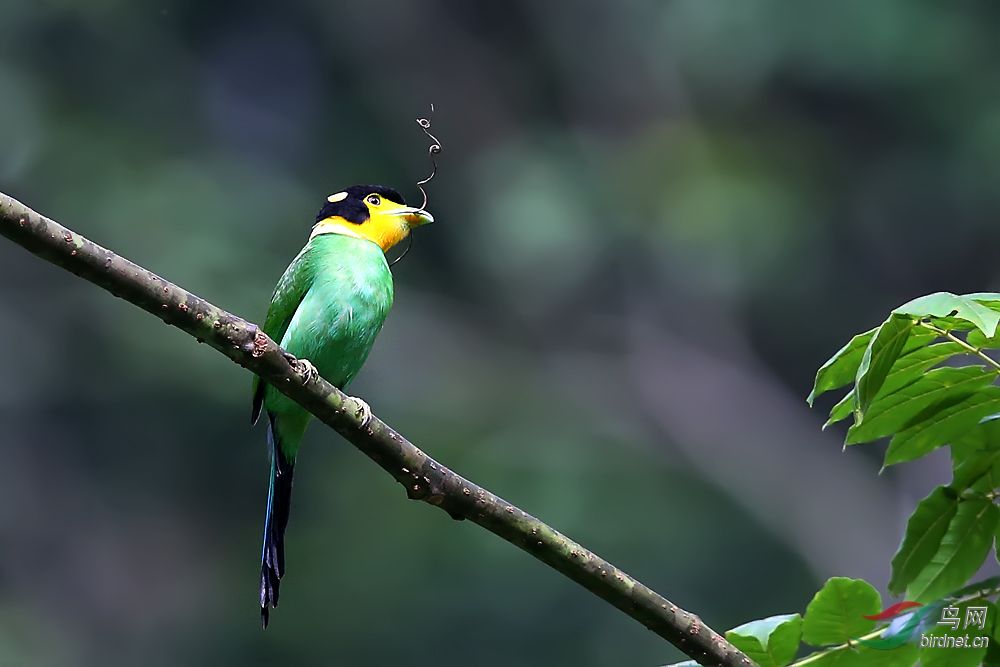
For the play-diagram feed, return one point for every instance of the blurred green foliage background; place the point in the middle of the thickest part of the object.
(655, 221)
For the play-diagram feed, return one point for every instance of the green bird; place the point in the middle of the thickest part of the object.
(326, 311)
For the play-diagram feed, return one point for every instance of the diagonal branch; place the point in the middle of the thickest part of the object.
(422, 477)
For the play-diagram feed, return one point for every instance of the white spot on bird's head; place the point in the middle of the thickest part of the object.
(339, 196)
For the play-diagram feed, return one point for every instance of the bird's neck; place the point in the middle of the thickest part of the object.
(385, 232)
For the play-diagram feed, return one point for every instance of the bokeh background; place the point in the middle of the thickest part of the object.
(655, 221)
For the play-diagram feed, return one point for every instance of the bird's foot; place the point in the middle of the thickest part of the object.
(362, 410)
(303, 367)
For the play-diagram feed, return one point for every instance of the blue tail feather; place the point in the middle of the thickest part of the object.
(279, 498)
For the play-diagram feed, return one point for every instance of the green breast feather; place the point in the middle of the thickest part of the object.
(328, 308)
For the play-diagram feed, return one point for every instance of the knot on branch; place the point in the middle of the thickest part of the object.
(420, 486)
(258, 346)
(428, 485)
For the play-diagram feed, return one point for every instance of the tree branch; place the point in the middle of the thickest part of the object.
(422, 477)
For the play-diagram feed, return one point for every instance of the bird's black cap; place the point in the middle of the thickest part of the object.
(349, 204)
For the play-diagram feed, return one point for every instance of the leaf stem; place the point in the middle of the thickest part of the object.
(971, 348)
(813, 657)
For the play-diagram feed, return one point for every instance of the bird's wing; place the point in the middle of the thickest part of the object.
(288, 294)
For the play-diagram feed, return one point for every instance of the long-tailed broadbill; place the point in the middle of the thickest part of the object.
(326, 311)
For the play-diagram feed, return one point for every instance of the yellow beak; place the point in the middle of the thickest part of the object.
(413, 216)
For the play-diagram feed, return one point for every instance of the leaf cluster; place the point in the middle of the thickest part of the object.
(923, 379)
(836, 626)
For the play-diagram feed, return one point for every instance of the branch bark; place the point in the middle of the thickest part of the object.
(423, 478)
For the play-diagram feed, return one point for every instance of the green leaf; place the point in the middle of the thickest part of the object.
(837, 612)
(955, 656)
(951, 324)
(890, 412)
(924, 531)
(842, 410)
(988, 299)
(841, 368)
(984, 437)
(963, 549)
(771, 642)
(972, 469)
(946, 304)
(882, 351)
(916, 360)
(976, 454)
(979, 588)
(940, 423)
(978, 340)
(906, 370)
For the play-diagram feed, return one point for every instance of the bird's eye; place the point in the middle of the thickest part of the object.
(374, 200)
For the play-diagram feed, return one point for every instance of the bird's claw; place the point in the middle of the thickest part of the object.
(303, 367)
(362, 411)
